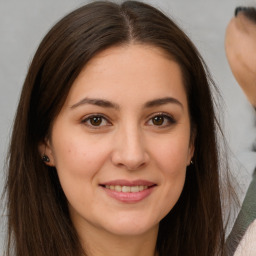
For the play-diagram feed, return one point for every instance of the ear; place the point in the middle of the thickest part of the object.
(45, 149)
(191, 148)
(191, 151)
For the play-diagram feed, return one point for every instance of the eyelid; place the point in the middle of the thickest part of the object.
(170, 118)
(89, 116)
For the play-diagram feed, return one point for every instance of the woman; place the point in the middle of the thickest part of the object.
(114, 148)
(240, 47)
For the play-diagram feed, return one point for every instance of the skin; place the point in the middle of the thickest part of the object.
(240, 44)
(127, 143)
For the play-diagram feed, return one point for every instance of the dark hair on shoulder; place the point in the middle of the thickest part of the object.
(38, 217)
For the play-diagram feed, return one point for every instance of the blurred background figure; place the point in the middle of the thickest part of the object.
(241, 50)
(240, 45)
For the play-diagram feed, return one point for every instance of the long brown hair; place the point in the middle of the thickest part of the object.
(38, 217)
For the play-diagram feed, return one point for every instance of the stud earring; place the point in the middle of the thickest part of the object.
(45, 158)
(191, 162)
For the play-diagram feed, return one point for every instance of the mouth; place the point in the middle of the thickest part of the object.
(128, 191)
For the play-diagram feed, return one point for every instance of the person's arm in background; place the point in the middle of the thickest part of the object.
(240, 45)
(241, 50)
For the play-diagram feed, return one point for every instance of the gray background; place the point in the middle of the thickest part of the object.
(24, 23)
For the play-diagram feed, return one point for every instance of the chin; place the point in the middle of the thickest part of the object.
(131, 228)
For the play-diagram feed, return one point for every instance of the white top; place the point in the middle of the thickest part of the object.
(247, 246)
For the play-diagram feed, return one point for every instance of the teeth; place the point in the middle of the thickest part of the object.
(126, 189)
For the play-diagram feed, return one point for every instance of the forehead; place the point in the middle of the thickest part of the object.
(125, 70)
(136, 52)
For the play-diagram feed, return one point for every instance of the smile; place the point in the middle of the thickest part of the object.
(126, 189)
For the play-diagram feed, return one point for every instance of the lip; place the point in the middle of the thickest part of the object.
(129, 183)
(130, 197)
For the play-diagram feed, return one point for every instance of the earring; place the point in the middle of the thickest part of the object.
(45, 158)
(191, 162)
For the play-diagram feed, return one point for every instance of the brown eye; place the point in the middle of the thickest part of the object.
(158, 120)
(161, 121)
(96, 120)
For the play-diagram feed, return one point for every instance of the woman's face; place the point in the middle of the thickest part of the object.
(121, 143)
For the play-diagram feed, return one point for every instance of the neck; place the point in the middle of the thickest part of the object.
(102, 243)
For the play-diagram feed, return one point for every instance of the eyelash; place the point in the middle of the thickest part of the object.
(87, 121)
(166, 118)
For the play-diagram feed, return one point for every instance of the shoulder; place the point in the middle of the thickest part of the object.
(247, 246)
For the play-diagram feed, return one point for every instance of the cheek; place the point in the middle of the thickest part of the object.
(78, 160)
(173, 165)
(172, 154)
(79, 155)
(171, 158)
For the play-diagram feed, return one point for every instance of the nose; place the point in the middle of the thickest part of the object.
(130, 149)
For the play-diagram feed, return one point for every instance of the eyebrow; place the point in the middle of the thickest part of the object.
(108, 104)
(163, 101)
(97, 102)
